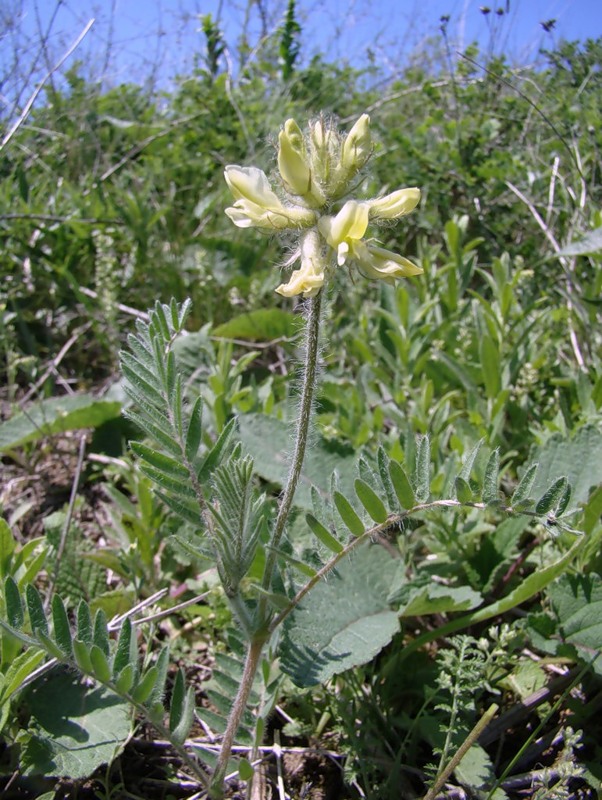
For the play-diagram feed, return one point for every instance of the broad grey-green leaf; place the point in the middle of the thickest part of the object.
(434, 598)
(263, 325)
(344, 621)
(578, 459)
(574, 626)
(268, 440)
(73, 728)
(590, 244)
(56, 415)
(464, 493)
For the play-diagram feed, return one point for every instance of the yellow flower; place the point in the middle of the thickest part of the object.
(310, 278)
(344, 233)
(258, 206)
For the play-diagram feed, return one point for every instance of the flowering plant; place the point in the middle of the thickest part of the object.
(317, 170)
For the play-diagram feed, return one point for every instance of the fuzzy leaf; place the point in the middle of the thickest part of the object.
(100, 634)
(146, 685)
(578, 459)
(14, 607)
(344, 621)
(371, 501)
(81, 653)
(464, 493)
(349, 515)
(84, 623)
(35, 609)
(422, 481)
(195, 431)
(401, 485)
(574, 628)
(73, 728)
(490, 481)
(323, 534)
(126, 652)
(56, 415)
(267, 439)
(163, 464)
(214, 456)
(556, 498)
(60, 621)
(100, 664)
(523, 490)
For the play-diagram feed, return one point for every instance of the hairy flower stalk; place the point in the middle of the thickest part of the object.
(317, 169)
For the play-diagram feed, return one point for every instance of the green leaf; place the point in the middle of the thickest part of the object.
(556, 498)
(100, 664)
(371, 501)
(422, 481)
(575, 620)
(84, 623)
(468, 462)
(73, 728)
(81, 653)
(7, 548)
(490, 366)
(464, 493)
(212, 459)
(146, 685)
(267, 439)
(163, 464)
(323, 534)
(434, 598)
(14, 607)
(263, 325)
(578, 459)
(18, 670)
(401, 485)
(349, 515)
(60, 622)
(589, 245)
(56, 415)
(523, 490)
(100, 634)
(125, 679)
(126, 652)
(344, 621)
(490, 481)
(195, 431)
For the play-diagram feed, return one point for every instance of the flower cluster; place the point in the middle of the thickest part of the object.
(317, 170)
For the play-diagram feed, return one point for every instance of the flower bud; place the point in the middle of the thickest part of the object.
(357, 146)
(394, 205)
(292, 162)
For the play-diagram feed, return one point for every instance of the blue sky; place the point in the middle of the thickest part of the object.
(163, 35)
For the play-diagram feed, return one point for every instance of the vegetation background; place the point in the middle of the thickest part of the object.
(112, 197)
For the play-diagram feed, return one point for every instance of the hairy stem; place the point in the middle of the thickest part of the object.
(238, 709)
(256, 644)
(312, 336)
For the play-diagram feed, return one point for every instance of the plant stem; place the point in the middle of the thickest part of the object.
(461, 752)
(238, 709)
(312, 336)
